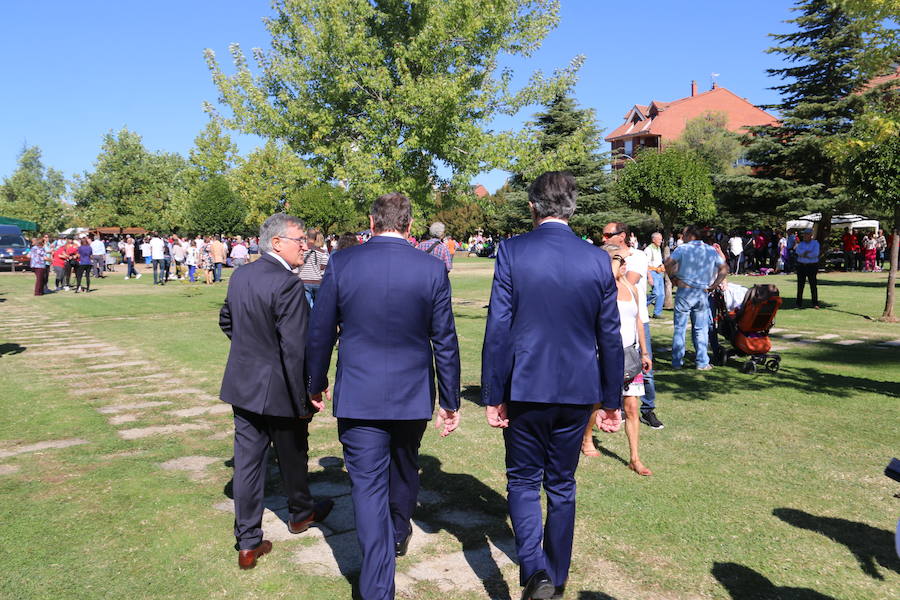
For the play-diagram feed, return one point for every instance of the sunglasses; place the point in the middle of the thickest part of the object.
(612, 234)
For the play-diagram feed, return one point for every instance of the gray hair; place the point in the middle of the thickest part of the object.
(553, 194)
(276, 226)
(437, 229)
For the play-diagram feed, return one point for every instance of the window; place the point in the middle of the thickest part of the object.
(629, 147)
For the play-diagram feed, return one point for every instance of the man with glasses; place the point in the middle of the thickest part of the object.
(637, 265)
(266, 316)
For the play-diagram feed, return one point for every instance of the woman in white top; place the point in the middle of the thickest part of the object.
(735, 249)
(632, 331)
(191, 255)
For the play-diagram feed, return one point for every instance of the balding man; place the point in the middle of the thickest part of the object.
(435, 245)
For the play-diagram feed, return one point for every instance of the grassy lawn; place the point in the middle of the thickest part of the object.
(764, 486)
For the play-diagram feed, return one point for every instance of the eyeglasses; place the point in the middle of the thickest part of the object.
(296, 239)
(612, 234)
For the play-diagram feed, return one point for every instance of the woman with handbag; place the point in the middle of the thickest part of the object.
(315, 260)
(637, 360)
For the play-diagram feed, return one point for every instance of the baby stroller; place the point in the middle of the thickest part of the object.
(747, 329)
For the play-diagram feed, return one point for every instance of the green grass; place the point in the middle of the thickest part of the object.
(763, 485)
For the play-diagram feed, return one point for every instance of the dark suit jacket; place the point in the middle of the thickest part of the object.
(552, 332)
(266, 316)
(392, 304)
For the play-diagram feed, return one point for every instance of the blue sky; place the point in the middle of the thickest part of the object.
(75, 70)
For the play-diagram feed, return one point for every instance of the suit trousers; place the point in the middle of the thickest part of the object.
(542, 446)
(252, 435)
(382, 459)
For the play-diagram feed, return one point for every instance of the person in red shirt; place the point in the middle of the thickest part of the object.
(851, 247)
(59, 264)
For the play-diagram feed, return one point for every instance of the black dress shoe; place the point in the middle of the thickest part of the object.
(320, 511)
(538, 587)
(558, 593)
(402, 546)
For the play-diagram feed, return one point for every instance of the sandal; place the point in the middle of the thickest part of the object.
(640, 470)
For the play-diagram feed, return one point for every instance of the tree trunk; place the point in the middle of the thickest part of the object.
(892, 274)
(822, 236)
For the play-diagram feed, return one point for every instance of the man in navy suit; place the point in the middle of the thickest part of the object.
(552, 349)
(266, 315)
(392, 305)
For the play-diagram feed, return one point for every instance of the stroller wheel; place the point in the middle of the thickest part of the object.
(748, 367)
(720, 357)
(773, 364)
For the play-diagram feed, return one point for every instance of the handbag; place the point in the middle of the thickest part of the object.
(633, 364)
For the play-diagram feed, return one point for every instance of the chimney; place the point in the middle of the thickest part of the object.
(715, 85)
(693, 88)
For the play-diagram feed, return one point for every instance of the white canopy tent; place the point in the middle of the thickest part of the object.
(840, 221)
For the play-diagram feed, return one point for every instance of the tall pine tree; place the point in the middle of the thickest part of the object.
(566, 138)
(817, 105)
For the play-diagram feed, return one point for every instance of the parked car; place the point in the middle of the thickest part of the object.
(14, 248)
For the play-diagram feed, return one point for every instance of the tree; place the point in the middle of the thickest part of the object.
(817, 105)
(216, 209)
(214, 153)
(266, 180)
(675, 183)
(462, 217)
(131, 187)
(708, 136)
(327, 207)
(35, 193)
(378, 93)
(870, 155)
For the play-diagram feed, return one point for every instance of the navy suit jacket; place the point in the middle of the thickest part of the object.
(266, 316)
(553, 332)
(392, 305)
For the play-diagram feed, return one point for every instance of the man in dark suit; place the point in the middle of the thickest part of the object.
(392, 305)
(552, 349)
(266, 315)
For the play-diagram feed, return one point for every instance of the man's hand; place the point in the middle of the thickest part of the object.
(609, 421)
(318, 402)
(447, 421)
(496, 416)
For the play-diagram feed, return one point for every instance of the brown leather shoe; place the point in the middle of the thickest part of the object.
(320, 511)
(247, 558)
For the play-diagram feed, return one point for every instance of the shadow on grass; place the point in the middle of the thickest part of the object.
(867, 284)
(691, 385)
(11, 349)
(743, 583)
(583, 595)
(488, 512)
(868, 544)
(472, 393)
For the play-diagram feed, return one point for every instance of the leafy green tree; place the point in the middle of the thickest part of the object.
(462, 217)
(709, 137)
(266, 179)
(378, 93)
(870, 155)
(217, 209)
(35, 193)
(327, 207)
(130, 186)
(675, 183)
(213, 153)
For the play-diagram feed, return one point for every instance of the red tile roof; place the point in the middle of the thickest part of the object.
(668, 119)
(876, 81)
(480, 191)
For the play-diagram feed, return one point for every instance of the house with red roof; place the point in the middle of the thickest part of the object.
(659, 123)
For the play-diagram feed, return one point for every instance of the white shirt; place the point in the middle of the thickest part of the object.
(157, 248)
(282, 261)
(98, 248)
(736, 245)
(654, 255)
(637, 262)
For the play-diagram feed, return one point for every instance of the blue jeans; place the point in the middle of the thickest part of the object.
(217, 272)
(131, 271)
(694, 303)
(191, 270)
(657, 295)
(159, 271)
(312, 289)
(648, 400)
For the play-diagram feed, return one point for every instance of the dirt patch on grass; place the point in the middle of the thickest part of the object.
(8, 469)
(194, 466)
(120, 408)
(142, 432)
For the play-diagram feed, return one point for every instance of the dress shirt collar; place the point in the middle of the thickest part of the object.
(282, 261)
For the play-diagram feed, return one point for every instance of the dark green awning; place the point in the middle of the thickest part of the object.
(20, 223)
